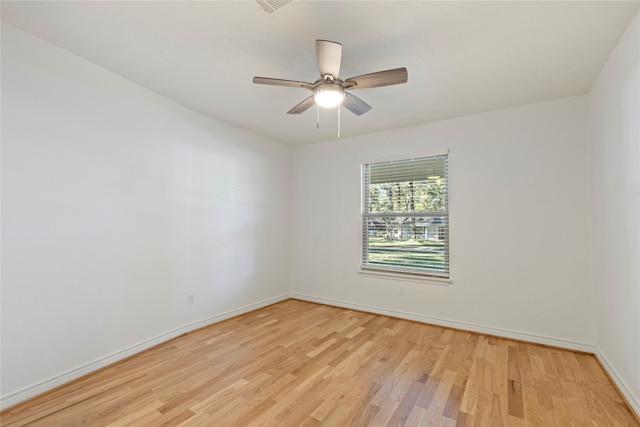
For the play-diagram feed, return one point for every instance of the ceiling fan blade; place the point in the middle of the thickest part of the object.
(303, 106)
(329, 57)
(355, 105)
(380, 78)
(282, 82)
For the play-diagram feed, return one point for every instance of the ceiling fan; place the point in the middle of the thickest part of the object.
(329, 90)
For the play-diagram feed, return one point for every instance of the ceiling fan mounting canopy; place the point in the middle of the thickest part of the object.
(330, 90)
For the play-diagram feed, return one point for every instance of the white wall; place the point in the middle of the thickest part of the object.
(519, 224)
(615, 208)
(116, 203)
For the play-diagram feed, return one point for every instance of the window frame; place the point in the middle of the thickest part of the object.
(396, 271)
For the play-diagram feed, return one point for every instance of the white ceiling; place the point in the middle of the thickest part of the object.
(462, 57)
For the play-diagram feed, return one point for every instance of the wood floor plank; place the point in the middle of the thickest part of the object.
(302, 364)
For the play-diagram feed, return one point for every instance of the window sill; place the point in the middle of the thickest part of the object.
(407, 277)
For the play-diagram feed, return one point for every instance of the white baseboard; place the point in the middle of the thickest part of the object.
(505, 333)
(632, 400)
(70, 375)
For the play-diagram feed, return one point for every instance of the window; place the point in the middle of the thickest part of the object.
(405, 216)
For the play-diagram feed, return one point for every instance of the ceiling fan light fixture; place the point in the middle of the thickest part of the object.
(328, 95)
(329, 90)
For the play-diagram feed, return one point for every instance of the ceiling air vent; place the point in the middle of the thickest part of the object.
(271, 6)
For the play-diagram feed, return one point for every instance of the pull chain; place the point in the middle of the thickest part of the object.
(318, 119)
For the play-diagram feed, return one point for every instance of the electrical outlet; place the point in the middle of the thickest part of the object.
(401, 291)
(191, 298)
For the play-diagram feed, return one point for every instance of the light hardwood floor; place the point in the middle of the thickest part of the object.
(302, 364)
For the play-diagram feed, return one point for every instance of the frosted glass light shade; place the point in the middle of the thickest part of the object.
(329, 95)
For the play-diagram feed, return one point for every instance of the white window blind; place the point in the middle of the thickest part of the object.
(405, 216)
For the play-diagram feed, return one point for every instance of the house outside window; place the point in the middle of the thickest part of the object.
(405, 216)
